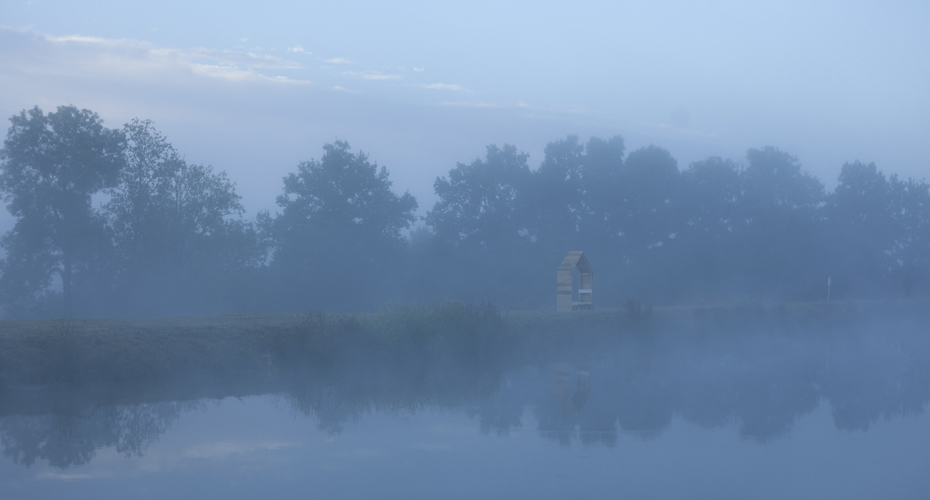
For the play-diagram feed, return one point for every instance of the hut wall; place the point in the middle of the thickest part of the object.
(563, 281)
(564, 290)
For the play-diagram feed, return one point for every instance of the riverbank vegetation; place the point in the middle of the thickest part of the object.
(126, 358)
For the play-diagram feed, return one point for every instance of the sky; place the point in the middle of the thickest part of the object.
(255, 88)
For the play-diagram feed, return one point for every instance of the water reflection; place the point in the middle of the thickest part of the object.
(73, 438)
(761, 383)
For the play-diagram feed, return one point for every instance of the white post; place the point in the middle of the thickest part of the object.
(828, 287)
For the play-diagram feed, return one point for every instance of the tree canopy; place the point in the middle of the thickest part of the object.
(480, 203)
(52, 164)
(339, 222)
(117, 222)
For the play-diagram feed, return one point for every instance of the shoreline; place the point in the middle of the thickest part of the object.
(128, 359)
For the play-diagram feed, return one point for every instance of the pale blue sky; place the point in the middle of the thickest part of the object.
(255, 88)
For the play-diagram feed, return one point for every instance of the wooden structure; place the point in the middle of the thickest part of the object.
(565, 294)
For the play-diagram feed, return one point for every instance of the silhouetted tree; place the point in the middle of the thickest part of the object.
(862, 227)
(480, 204)
(555, 197)
(483, 225)
(648, 193)
(339, 227)
(600, 180)
(51, 167)
(172, 238)
(708, 221)
(779, 251)
(909, 255)
(138, 206)
(629, 221)
(177, 227)
(710, 199)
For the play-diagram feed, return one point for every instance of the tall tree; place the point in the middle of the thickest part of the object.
(343, 193)
(138, 206)
(480, 204)
(340, 225)
(710, 199)
(600, 181)
(774, 184)
(910, 253)
(51, 167)
(485, 224)
(862, 225)
(174, 223)
(781, 245)
(555, 196)
(648, 194)
(708, 221)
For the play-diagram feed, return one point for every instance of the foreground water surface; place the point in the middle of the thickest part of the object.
(767, 415)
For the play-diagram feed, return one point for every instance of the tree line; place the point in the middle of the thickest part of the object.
(114, 222)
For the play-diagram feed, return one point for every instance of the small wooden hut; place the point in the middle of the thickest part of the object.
(565, 293)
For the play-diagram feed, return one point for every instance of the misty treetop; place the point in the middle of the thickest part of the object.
(114, 222)
(343, 193)
(480, 203)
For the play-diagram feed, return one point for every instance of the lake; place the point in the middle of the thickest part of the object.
(774, 413)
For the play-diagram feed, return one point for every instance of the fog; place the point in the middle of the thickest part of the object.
(830, 83)
(253, 92)
(297, 249)
(742, 399)
(133, 229)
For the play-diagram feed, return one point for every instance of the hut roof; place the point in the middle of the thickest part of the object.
(575, 258)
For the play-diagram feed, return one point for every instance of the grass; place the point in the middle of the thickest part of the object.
(203, 351)
(126, 360)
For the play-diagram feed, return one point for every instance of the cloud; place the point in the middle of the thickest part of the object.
(442, 86)
(492, 105)
(374, 75)
(233, 73)
(84, 39)
(419, 70)
(298, 49)
(371, 75)
(135, 47)
(338, 60)
(245, 59)
(77, 56)
(290, 81)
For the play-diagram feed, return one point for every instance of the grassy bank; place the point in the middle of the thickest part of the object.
(125, 359)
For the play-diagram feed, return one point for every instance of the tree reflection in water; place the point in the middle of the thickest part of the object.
(761, 383)
(73, 438)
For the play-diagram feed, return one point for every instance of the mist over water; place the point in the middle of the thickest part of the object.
(725, 407)
(474, 249)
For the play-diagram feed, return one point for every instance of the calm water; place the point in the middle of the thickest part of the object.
(754, 416)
